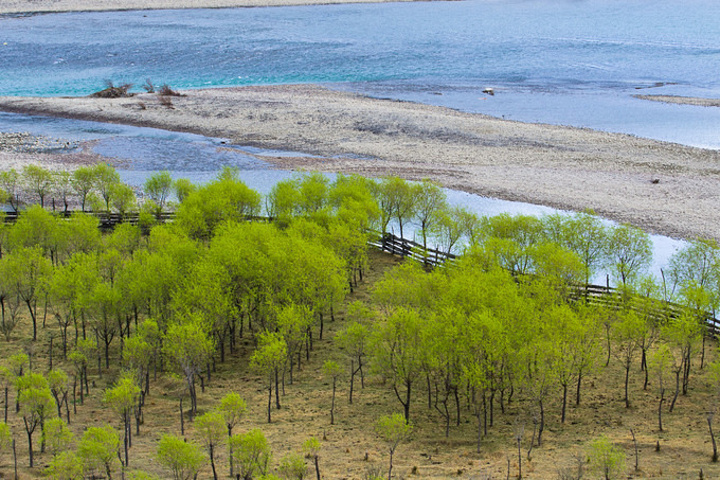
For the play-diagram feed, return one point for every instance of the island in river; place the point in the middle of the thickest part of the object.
(662, 187)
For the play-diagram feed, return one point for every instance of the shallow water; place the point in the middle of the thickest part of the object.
(563, 62)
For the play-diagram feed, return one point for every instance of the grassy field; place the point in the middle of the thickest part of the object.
(352, 450)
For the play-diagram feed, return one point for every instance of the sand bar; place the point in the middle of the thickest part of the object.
(680, 100)
(57, 6)
(663, 187)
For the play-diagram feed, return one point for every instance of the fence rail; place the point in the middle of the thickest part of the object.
(431, 258)
(593, 294)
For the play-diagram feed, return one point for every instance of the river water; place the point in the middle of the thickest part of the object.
(569, 62)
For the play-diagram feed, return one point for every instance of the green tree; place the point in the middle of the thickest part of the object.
(399, 200)
(251, 453)
(293, 323)
(182, 188)
(9, 182)
(311, 449)
(660, 364)
(292, 467)
(38, 180)
(158, 187)
(189, 347)
(396, 352)
(183, 459)
(122, 399)
(630, 252)
(333, 371)
(62, 183)
(65, 466)
(6, 437)
(28, 269)
(606, 458)
(225, 199)
(98, 450)
(123, 198)
(353, 341)
(696, 262)
(431, 201)
(394, 430)
(267, 360)
(628, 334)
(106, 178)
(57, 435)
(83, 183)
(59, 384)
(36, 404)
(210, 426)
(232, 408)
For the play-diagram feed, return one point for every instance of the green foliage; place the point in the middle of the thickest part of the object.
(122, 397)
(65, 466)
(123, 198)
(210, 427)
(606, 459)
(158, 187)
(251, 453)
(394, 430)
(5, 437)
(223, 200)
(311, 447)
(183, 459)
(106, 180)
(57, 436)
(9, 180)
(183, 188)
(98, 450)
(38, 180)
(630, 253)
(189, 347)
(292, 467)
(232, 407)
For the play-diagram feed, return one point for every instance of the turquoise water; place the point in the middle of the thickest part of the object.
(570, 62)
(573, 62)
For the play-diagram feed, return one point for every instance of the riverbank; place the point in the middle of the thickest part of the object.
(665, 188)
(58, 6)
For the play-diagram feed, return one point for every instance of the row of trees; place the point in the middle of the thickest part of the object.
(97, 188)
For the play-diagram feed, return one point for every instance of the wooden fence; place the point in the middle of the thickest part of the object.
(431, 258)
(408, 249)
(592, 294)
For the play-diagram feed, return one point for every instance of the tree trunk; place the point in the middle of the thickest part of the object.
(627, 379)
(212, 461)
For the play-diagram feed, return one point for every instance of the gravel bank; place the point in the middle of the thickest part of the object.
(662, 187)
(56, 6)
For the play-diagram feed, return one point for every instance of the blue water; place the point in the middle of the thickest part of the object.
(569, 62)
(572, 62)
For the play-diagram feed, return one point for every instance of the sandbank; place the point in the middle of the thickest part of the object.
(680, 100)
(58, 6)
(663, 187)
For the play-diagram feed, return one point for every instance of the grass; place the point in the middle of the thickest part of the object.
(351, 449)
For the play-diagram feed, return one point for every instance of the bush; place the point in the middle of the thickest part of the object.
(112, 91)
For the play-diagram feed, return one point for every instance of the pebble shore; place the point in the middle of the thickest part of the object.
(25, 142)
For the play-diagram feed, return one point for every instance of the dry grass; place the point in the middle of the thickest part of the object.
(350, 448)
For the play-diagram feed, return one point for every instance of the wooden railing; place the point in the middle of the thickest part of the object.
(431, 258)
(408, 249)
(593, 294)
